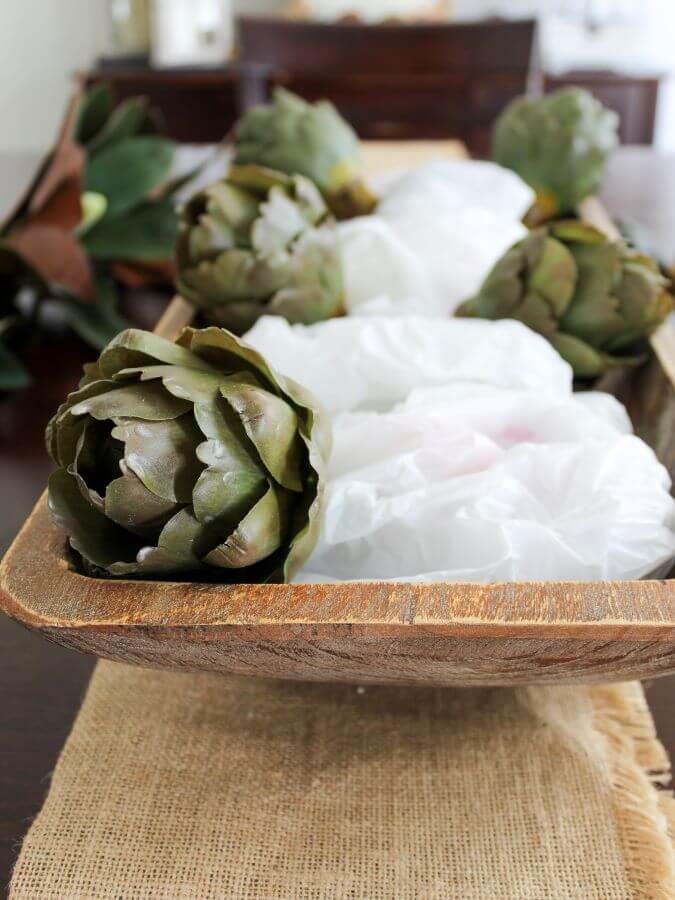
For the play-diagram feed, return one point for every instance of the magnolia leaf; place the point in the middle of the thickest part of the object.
(13, 376)
(56, 256)
(125, 121)
(145, 233)
(127, 171)
(98, 322)
(95, 107)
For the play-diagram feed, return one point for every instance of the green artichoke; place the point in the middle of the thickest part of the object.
(559, 145)
(259, 242)
(596, 301)
(310, 139)
(187, 457)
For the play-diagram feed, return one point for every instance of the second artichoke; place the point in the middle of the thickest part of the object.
(596, 301)
(259, 242)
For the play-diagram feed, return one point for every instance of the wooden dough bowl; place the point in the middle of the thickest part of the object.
(442, 634)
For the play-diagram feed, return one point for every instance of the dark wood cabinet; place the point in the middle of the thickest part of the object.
(400, 81)
(390, 81)
(199, 105)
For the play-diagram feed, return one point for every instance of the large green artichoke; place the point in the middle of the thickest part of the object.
(595, 300)
(187, 457)
(310, 139)
(559, 145)
(259, 242)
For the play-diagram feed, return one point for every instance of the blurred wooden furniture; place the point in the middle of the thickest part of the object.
(400, 81)
(391, 81)
(199, 105)
(633, 97)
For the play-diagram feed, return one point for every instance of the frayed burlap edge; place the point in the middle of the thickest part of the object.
(640, 769)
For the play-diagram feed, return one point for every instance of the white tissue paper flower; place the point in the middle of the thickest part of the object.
(453, 185)
(366, 363)
(461, 454)
(437, 232)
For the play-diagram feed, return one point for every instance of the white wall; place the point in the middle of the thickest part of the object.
(42, 44)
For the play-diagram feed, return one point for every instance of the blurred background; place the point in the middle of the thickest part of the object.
(446, 75)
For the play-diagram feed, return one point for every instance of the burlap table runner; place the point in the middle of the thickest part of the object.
(174, 785)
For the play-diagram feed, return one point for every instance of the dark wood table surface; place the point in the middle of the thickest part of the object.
(41, 685)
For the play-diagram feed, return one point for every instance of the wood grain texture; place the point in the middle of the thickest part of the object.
(440, 634)
(445, 634)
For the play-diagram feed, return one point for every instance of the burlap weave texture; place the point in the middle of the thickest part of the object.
(193, 786)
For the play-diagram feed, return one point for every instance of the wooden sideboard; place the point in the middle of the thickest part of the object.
(199, 105)
(390, 81)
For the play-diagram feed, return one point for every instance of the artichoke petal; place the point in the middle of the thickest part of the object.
(129, 503)
(175, 550)
(279, 223)
(224, 352)
(162, 454)
(191, 385)
(533, 282)
(234, 276)
(150, 402)
(586, 361)
(317, 292)
(258, 179)
(259, 534)
(272, 427)
(643, 302)
(97, 539)
(88, 449)
(64, 429)
(92, 373)
(553, 276)
(134, 348)
(223, 498)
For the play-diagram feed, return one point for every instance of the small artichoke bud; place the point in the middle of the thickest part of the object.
(259, 242)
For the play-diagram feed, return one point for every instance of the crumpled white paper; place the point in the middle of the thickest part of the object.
(437, 232)
(460, 453)
(453, 185)
(371, 364)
